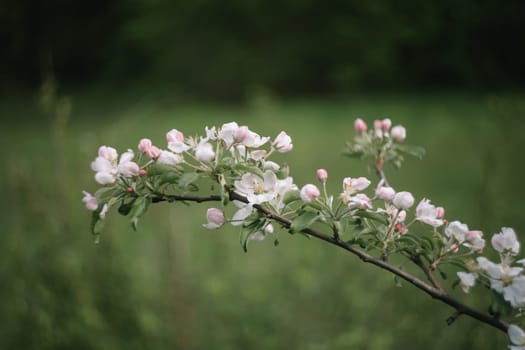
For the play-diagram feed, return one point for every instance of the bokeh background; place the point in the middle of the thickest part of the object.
(77, 75)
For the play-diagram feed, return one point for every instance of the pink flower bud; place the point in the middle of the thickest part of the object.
(90, 201)
(215, 218)
(440, 212)
(386, 124)
(128, 169)
(385, 193)
(143, 172)
(454, 248)
(378, 124)
(144, 145)
(399, 133)
(360, 125)
(309, 193)
(153, 152)
(174, 135)
(403, 200)
(322, 175)
(402, 216)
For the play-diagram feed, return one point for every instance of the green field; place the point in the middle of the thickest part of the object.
(174, 284)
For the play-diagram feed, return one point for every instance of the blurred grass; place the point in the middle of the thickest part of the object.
(174, 284)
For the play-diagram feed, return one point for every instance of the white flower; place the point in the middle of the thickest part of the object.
(352, 186)
(269, 165)
(169, 158)
(403, 200)
(255, 189)
(261, 234)
(215, 218)
(517, 337)
(398, 133)
(427, 213)
(506, 241)
(475, 241)
(505, 280)
(105, 170)
(467, 280)
(108, 153)
(90, 201)
(244, 211)
(211, 134)
(104, 211)
(309, 193)
(283, 142)
(204, 152)
(254, 140)
(457, 230)
(227, 132)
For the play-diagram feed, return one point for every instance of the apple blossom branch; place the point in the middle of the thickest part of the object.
(434, 290)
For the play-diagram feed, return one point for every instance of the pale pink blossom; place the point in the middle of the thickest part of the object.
(401, 216)
(355, 184)
(427, 213)
(283, 142)
(175, 140)
(145, 146)
(169, 158)
(386, 124)
(254, 140)
(204, 152)
(126, 166)
(403, 200)
(322, 175)
(360, 201)
(378, 128)
(244, 211)
(398, 133)
(108, 153)
(506, 280)
(105, 170)
(227, 132)
(360, 125)
(90, 201)
(309, 193)
(241, 133)
(215, 218)
(506, 241)
(467, 280)
(255, 189)
(211, 134)
(475, 241)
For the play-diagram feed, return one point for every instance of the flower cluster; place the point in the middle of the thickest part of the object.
(376, 218)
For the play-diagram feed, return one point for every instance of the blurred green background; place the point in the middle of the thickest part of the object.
(452, 73)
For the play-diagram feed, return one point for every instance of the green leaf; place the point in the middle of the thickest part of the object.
(283, 172)
(291, 196)
(125, 207)
(303, 221)
(140, 206)
(159, 169)
(103, 194)
(372, 216)
(415, 151)
(187, 179)
(169, 177)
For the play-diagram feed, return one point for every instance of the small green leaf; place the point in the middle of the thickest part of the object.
(169, 177)
(283, 172)
(187, 179)
(140, 206)
(243, 168)
(103, 194)
(291, 196)
(372, 216)
(303, 221)
(125, 207)
(159, 169)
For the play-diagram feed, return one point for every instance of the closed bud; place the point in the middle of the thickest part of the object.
(309, 193)
(322, 175)
(403, 200)
(360, 125)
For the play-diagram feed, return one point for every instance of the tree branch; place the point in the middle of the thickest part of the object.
(435, 291)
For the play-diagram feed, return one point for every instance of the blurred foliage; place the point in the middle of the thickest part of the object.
(227, 49)
(174, 284)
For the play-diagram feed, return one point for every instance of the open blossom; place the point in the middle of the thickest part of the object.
(215, 218)
(427, 213)
(517, 337)
(403, 200)
(359, 201)
(352, 186)
(506, 280)
(283, 142)
(241, 134)
(108, 153)
(204, 152)
(254, 140)
(126, 167)
(457, 230)
(506, 241)
(398, 133)
(227, 133)
(255, 189)
(467, 280)
(169, 158)
(475, 241)
(107, 170)
(90, 201)
(309, 193)
(360, 125)
(175, 140)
